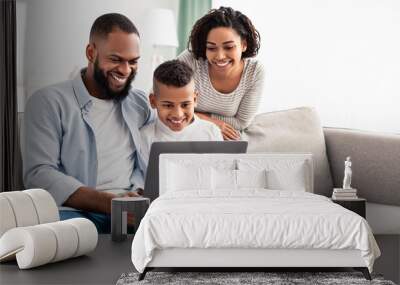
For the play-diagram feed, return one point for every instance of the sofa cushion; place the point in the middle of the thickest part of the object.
(293, 131)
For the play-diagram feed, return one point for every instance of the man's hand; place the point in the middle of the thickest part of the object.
(137, 193)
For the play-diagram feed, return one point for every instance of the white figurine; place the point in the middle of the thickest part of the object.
(347, 174)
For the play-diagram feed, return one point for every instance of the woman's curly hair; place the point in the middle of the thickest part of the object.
(223, 17)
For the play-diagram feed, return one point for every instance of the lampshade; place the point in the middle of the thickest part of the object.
(161, 28)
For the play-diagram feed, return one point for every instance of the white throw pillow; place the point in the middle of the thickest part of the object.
(188, 177)
(292, 179)
(224, 179)
(251, 178)
(229, 179)
(281, 174)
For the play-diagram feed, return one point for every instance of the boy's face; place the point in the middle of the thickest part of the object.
(175, 105)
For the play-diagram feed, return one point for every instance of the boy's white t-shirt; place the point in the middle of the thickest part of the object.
(198, 130)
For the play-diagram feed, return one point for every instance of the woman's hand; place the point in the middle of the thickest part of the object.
(228, 132)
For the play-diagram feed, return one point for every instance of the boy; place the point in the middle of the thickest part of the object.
(174, 98)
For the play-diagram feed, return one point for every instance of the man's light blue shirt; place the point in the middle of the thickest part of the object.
(59, 152)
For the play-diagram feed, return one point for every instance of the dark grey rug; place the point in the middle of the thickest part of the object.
(243, 278)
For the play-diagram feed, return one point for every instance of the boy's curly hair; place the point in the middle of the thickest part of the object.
(172, 73)
(223, 17)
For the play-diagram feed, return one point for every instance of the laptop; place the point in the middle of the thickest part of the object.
(151, 183)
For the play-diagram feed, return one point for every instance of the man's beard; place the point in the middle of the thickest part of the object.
(102, 83)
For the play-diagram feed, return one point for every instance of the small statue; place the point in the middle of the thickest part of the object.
(347, 173)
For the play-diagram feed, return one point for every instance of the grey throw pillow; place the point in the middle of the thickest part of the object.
(296, 130)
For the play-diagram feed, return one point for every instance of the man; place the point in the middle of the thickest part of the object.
(82, 136)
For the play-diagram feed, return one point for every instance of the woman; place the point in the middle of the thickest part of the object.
(229, 81)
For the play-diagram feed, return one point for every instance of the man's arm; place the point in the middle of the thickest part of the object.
(42, 147)
(90, 200)
(41, 156)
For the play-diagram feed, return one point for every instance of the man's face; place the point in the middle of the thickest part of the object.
(116, 63)
(175, 105)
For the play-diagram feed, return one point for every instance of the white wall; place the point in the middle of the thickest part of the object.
(340, 56)
(53, 34)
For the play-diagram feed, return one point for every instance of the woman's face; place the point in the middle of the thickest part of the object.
(224, 49)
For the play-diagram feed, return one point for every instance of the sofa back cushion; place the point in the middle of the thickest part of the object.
(292, 131)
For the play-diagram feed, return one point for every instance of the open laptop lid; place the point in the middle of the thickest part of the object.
(151, 184)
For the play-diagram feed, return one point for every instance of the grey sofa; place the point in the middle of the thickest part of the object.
(375, 157)
(376, 173)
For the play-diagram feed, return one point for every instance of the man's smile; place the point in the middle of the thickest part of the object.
(118, 79)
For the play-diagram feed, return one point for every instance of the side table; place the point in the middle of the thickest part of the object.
(355, 205)
(119, 214)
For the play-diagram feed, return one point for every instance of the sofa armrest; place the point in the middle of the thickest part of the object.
(376, 162)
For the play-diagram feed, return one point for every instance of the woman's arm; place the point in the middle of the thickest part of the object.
(187, 57)
(249, 103)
